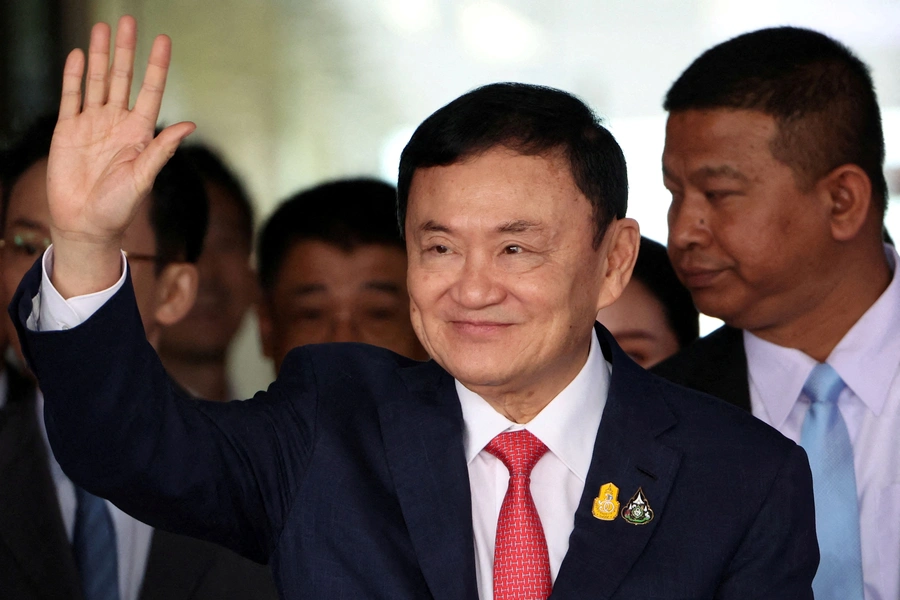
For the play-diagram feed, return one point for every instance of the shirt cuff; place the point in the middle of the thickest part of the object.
(51, 312)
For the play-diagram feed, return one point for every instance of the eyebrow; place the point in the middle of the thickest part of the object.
(22, 222)
(518, 226)
(378, 285)
(382, 286)
(709, 172)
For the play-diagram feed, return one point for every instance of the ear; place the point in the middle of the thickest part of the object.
(176, 291)
(848, 191)
(266, 326)
(622, 242)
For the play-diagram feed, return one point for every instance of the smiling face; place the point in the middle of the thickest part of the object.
(503, 276)
(750, 244)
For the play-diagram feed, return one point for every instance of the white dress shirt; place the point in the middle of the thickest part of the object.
(868, 360)
(567, 426)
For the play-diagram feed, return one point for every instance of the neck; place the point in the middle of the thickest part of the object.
(523, 402)
(207, 379)
(850, 292)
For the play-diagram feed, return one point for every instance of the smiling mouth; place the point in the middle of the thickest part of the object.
(479, 328)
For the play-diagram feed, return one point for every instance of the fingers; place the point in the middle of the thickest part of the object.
(123, 62)
(150, 97)
(148, 164)
(95, 87)
(70, 101)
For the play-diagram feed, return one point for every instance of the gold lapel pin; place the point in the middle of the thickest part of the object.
(606, 504)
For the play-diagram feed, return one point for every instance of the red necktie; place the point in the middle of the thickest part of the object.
(521, 560)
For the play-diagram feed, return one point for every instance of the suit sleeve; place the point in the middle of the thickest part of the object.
(778, 557)
(118, 426)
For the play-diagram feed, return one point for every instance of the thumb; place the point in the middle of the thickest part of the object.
(158, 152)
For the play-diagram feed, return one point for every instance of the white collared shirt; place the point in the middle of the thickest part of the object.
(568, 427)
(868, 360)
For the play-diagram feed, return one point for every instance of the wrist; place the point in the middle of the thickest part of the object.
(84, 267)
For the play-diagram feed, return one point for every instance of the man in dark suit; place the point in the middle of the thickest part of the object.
(774, 156)
(38, 517)
(530, 454)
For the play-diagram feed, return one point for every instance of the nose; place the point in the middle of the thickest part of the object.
(688, 222)
(478, 285)
(343, 329)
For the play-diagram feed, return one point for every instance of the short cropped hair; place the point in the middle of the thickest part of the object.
(178, 206)
(179, 212)
(346, 213)
(819, 93)
(213, 169)
(654, 270)
(531, 120)
(30, 147)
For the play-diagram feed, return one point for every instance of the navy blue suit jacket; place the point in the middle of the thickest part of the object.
(349, 473)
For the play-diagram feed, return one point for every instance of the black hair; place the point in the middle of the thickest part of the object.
(529, 119)
(178, 209)
(654, 270)
(32, 146)
(179, 212)
(346, 213)
(819, 93)
(212, 169)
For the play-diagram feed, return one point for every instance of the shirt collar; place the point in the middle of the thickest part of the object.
(866, 358)
(567, 425)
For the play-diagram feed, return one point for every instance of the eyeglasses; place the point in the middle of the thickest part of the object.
(25, 244)
(138, 256)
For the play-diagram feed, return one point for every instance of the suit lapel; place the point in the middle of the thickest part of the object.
(31, 525)
(627, 454)
(423, 443)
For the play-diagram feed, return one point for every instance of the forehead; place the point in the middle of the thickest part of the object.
(718, 137)
(321, 263)
(498, 185)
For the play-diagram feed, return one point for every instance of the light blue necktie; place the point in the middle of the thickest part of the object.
(827, 443)
(94, 546)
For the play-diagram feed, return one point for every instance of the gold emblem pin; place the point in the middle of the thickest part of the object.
(606, 504)
(638, 511)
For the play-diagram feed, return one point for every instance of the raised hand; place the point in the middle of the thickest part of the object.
(104, 156)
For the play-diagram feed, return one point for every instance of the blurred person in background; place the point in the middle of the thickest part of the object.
(56, 540)
(655, 316)
(332, 268)
(774, 156)
(195, 349)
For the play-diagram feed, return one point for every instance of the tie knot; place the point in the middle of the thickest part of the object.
(823, 384)
(518, 450)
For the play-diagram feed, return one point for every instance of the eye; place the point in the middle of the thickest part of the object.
(513, 249)
(439, 249)
(713, 195)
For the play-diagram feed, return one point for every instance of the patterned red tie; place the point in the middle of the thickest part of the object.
(521, 560)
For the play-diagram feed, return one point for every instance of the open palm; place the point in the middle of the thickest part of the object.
(104, 156)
